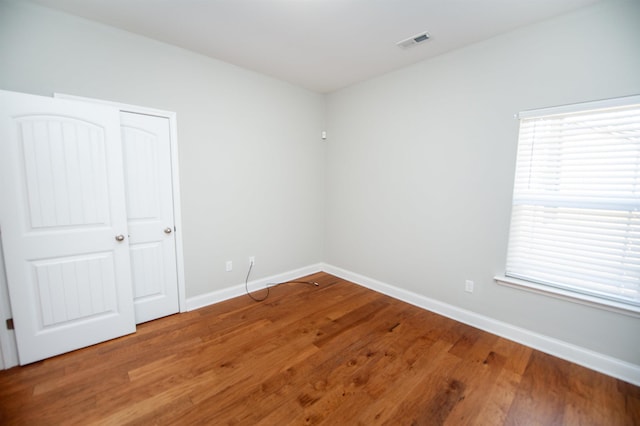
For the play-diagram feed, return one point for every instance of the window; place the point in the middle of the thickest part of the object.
(575, 223)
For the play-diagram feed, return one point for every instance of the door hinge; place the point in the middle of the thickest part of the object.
(10, 324)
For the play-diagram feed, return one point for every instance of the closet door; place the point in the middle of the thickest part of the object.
(63, 222)
(149, 198)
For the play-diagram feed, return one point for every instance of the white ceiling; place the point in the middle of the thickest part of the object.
(322, 45)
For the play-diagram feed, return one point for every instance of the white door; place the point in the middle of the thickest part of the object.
(148, 187)
(63, 222)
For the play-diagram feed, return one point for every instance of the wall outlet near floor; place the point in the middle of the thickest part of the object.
(468, 286)
(228, 265)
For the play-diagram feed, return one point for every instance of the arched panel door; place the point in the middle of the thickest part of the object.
(149, 198)
(64, 225)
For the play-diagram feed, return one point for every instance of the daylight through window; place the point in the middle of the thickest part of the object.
(575, 221)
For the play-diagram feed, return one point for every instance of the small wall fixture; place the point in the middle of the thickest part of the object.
(414, 40)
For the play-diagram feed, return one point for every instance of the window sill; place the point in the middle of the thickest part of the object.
(596, 302)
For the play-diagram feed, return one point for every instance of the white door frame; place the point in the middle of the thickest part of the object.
(8, 348)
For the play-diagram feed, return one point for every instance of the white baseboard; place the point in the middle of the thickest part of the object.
(238, 290)
(596, 361)
(605, 364)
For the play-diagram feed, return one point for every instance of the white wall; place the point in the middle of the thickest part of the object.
(251, 157)
(420, 166)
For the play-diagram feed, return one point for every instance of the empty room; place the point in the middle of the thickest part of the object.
(339, 212)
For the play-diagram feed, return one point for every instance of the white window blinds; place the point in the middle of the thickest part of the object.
(576, 206)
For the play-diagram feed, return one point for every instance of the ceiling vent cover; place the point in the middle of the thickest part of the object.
(414, 40)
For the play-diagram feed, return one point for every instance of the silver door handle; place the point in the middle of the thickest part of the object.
(120, 237)
(167, 230)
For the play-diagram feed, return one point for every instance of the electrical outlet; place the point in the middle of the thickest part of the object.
(252, 260)
(228, 265)
(468, 286)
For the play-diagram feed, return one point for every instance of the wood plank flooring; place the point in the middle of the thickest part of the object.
(336, 354)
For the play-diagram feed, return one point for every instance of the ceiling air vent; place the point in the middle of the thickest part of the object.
(414, 40)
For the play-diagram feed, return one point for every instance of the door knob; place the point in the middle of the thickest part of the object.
(167, 230)
(120, 237)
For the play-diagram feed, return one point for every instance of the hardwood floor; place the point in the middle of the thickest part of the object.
(337, 354)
